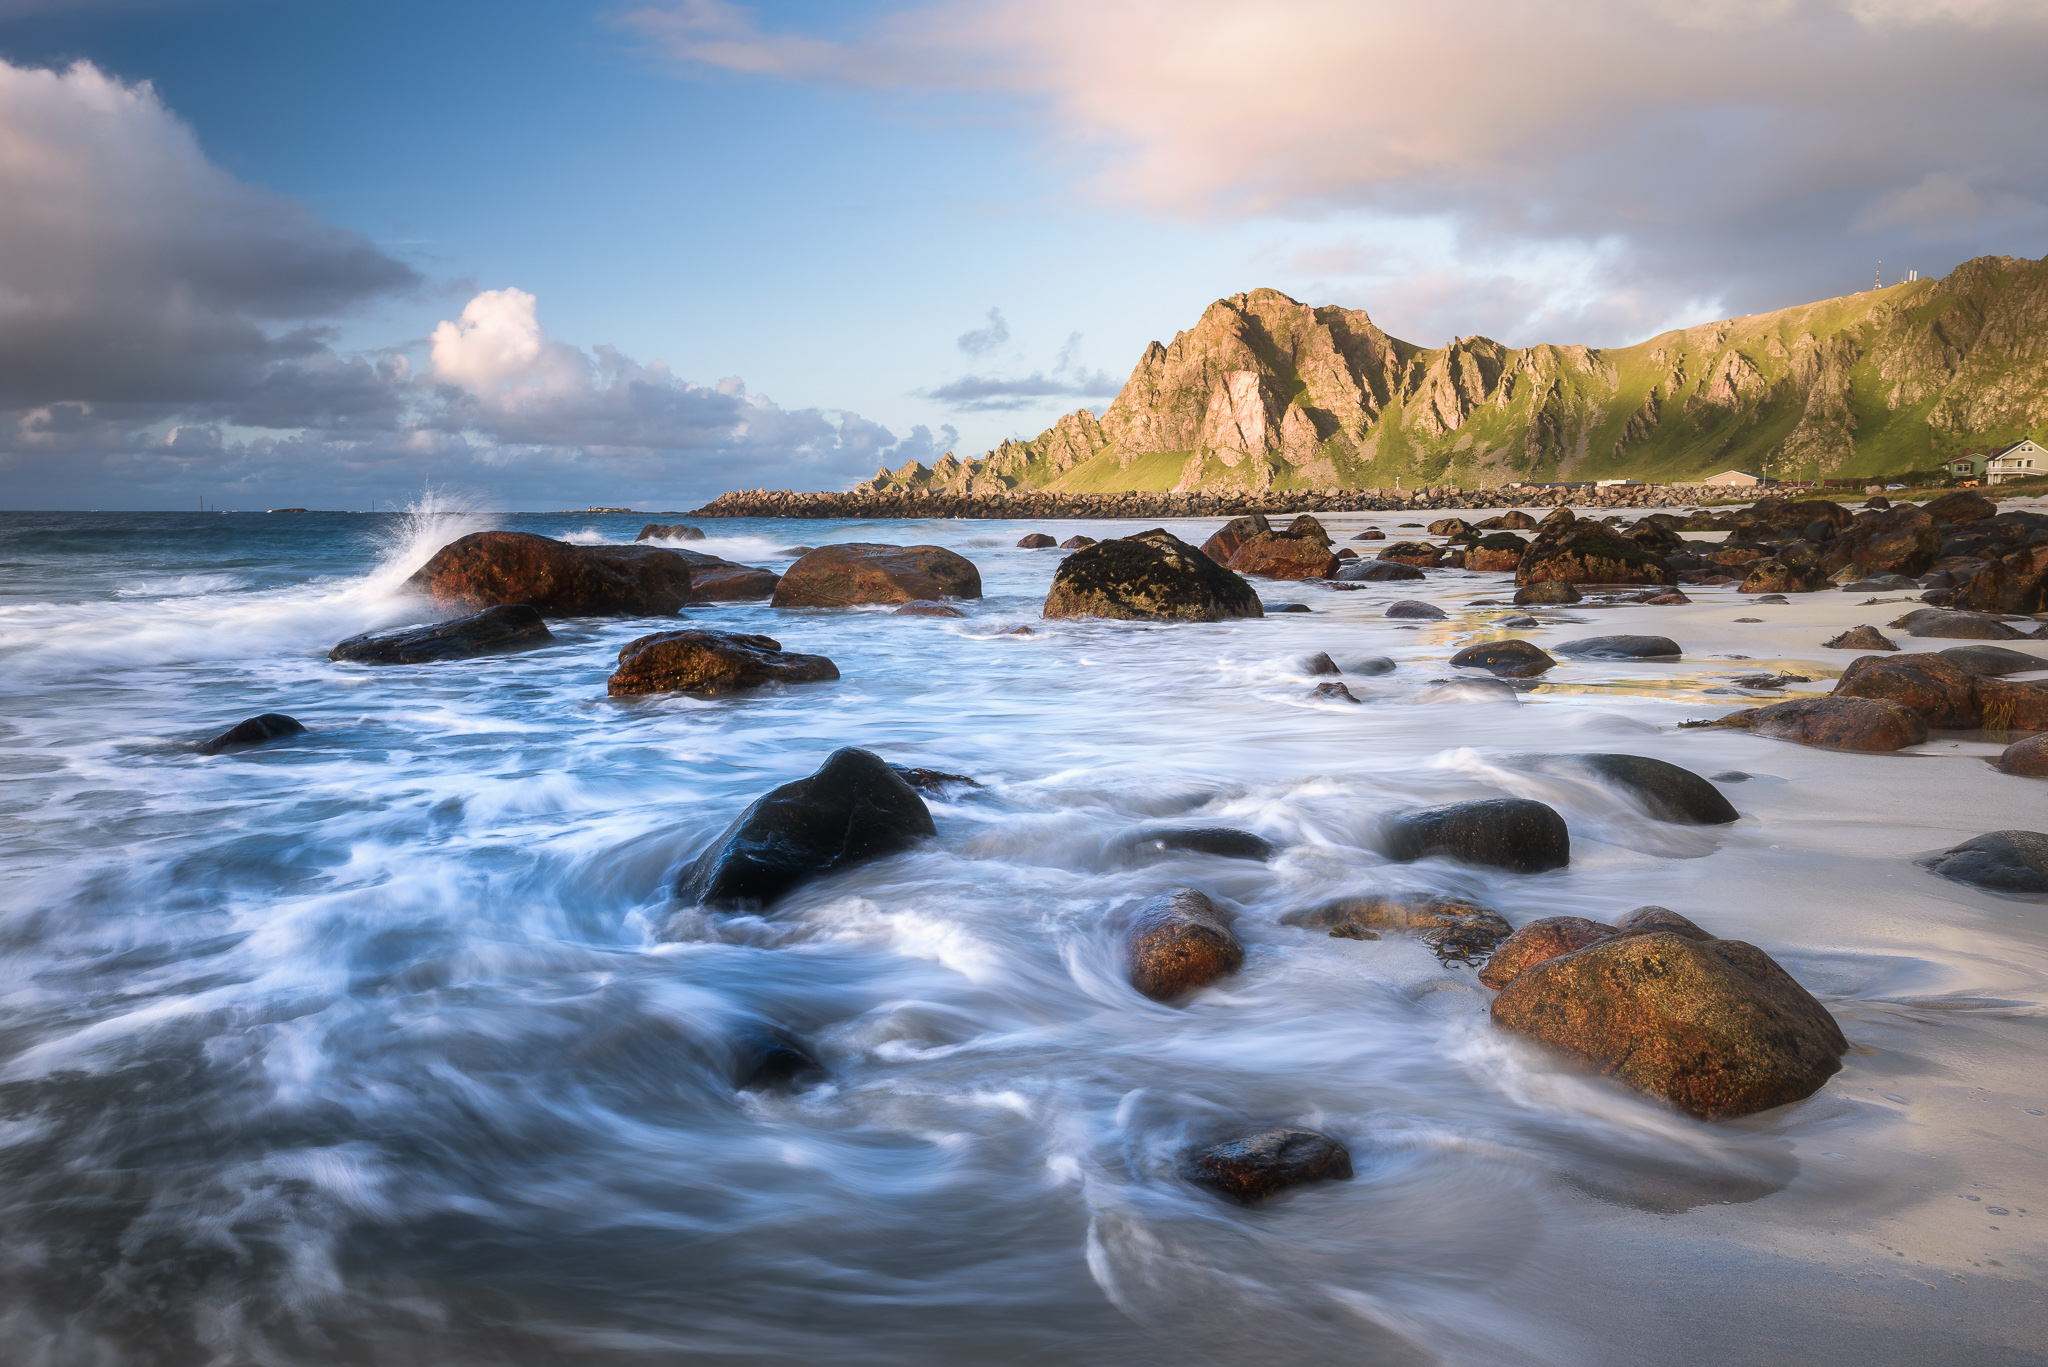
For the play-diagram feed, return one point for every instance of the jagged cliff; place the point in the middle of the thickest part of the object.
(1268, 393)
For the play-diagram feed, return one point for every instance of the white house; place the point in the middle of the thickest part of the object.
(2022, 461)
(1735, 479)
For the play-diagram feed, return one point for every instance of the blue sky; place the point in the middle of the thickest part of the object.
(806, 212)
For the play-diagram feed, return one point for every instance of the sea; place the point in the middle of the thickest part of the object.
(390, 1043)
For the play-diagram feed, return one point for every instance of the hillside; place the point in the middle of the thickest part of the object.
(1265, 392)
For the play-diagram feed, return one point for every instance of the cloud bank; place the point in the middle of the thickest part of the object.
(1736, 151)
(166, 334)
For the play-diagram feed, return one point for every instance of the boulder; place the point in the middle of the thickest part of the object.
(2005, 861)
(1415, 610)
(856, 808)
(1367, 664)
(1621, 648)
(767, 1058)
(1861, 638)
(2024, 758)
(1233, 534)
(1505, 832)
(1222, 841)
(1250, 1169)
(1557, 517)
(1450, 527)
(713, 580)
(1715, 1027)
(1452, 926)
(1879, 583)
(554, 578)
(1549, 591)
(1496, 554)
(1941, 692)
(1900, 540)
(930, 780)
(1419, 554)
(253, 731)
(1673, 599)
(655, 531)
(1075, 543)
(1318, 663)
(1666, 791)
(924, 607)
(1789, 571)
(1960, 505)
(2015, 582)
(2009, 705)
(1377, 572)
(1806, 511)
(1177, 942)
(1154, 576)
(1333, 692)
(1272, 608)
(1505, 659)
(1944, 623)
(708, 663)
(1841, 723)
(1036, 541)
(509, 626)
(1284, 555)
(1535, 941)
(1588, 553)
(1992, 662)
(1307, 526)
(1370, 534)
(857, 572)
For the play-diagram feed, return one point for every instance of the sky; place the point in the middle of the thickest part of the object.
(269, 253)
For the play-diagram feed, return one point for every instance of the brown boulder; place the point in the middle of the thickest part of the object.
(1736, 556)
(1795, 569)
(1947, 624)
(556, 579)
(1715, 1027)
(1036, 541)
(2012, 583)
(1234, 533)
(1841, 723)
(1177, 942)
(1960, 505)
(1810, 510)
(1284, 555)
(2024, 758)
(1941, 691)
(1307, 526)
(709, 663)
(713, 580)
(1588, 553)
(1862, 638)
(1370, 534)
(1901, 540)
(1450, 526)
(864, 572)
(1076, 542)
(2009, 705)
(1419, 554)
(1514, 520)
(1536, 941)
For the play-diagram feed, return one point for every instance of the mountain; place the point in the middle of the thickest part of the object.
(1268, 393)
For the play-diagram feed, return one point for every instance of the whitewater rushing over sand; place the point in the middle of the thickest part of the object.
(388, 1043)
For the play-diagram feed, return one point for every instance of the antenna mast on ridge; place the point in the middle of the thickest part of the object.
(1880, 277)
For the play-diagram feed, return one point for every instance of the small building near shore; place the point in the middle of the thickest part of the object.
(2021, 460)
(1969, 465)
(1737, 479)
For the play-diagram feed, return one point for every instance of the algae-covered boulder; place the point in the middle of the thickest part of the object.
(1154, 576)
(1578, 552)
(708, 663)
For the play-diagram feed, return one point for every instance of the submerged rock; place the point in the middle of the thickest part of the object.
(554, 578)
(1514, 833)
(1333, 692)
(1505, 659)
(1034, 541)
(1223, 841)
(924, 607)
(1154, 576)
(655, 531)
(1621, 648)
(1548, 591)
(1077, 542)
(1376, 572)
(1177, 942)
(853, 810)
(1453, 926)
(1715, 1027)
(2007, 861)
(1318, 663)
(1946, 623)
(768, 1058)
(1666, 791)
(1869, 725)
(1861, 638)
(1253, 1168)
(1415, 610)
(1992, 661)
(858, 572)
(254, 731)
(709, 663)
(509, 626)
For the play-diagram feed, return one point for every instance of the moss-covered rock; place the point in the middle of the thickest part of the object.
(1154, 576)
